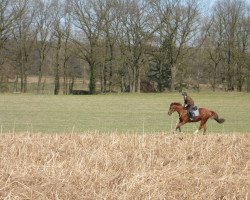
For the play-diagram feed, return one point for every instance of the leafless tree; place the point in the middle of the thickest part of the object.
(134, 35)
(24, 38)
(68, 48)
(88, 22)
(234, 27)
(242, 54)
(179, 27)
(108, 10)
(42, 24)
(57, 42)
(7, 17)
(169, 43)
(213, 46)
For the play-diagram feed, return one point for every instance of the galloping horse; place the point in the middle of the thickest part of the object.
(204, 115)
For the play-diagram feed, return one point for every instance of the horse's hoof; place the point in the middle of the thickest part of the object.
(180, 138)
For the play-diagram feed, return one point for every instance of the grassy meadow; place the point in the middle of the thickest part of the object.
(100, 155)
(144, 113)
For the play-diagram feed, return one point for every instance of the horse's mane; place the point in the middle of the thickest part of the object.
(176, 104)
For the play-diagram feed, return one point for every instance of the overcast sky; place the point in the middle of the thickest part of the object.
(212, 1)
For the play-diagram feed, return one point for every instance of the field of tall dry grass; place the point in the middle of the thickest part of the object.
(124, 166)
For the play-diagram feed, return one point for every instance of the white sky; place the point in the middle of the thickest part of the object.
(212, 1)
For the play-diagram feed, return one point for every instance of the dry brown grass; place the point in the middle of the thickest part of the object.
(124, 166)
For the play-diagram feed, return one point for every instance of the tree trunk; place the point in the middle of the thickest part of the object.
(25, 83)
(22, 81)
(57, 66)
(248, 82)
(40, 73)
(138, 81)
(173, 77)
(23, 77)
(57, 80)
(39, 80)
(92, 81)
(133, 81)
(214, 76)
(102, 78)
(43, 87)
(230, 84)
(111, 66)
(71, 85)
(65, 84)
(105, 78)
(16, 84)
(122, 83)
(240, 78)
(65, 78)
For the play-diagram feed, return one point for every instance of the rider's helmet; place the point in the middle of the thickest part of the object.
(184, 94)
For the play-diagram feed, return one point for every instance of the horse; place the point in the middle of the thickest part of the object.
(204, 115)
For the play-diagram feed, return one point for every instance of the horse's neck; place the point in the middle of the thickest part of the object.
(180, 110)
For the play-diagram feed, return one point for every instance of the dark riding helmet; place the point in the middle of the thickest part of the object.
(184, 94)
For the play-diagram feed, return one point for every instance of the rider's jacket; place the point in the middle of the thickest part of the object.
(188, 101)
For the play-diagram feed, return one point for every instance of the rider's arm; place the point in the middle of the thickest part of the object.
(185, 101)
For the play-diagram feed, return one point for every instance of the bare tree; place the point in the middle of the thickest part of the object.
(7, 17)
(213, 47)
(248, 77)
(134, 34)
(108, 10)
(235, 34)
(43, 20)
(23, 36)
(57, 42)
(89, 22)
(67, 49)
(125, 42)
(243, 33)
(179, 26)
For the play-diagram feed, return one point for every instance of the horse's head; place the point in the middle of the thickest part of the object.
(173, 107)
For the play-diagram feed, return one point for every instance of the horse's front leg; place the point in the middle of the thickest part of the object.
(204, 129)
(178, 126)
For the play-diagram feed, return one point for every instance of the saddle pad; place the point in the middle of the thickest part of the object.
(196, 112)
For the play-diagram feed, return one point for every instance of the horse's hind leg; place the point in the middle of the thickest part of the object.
(202, 125)
(196, 131)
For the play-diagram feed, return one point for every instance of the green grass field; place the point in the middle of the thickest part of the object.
(117, 112)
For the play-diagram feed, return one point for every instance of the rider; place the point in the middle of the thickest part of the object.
(188, 104)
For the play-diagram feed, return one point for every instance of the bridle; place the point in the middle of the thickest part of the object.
(171, 110)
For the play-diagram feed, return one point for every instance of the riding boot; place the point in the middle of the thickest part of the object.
(190, 114)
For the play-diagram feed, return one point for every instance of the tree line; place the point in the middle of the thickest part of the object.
(125, 45)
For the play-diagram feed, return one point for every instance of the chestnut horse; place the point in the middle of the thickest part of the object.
(204, 115)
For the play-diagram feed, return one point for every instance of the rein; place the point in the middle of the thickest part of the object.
(180, 114)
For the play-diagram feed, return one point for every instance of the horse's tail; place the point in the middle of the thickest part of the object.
(216, 117)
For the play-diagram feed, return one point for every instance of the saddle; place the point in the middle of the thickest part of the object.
(194, 112)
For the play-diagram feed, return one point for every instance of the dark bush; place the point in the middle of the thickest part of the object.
(147, 86)
(80, 92)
